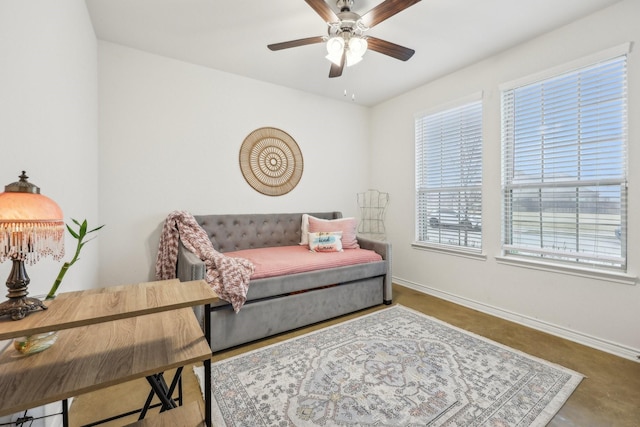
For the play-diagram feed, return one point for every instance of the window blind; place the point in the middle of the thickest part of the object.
(449, 176)
(564, 167)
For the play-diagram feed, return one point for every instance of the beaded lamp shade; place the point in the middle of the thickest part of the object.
(31, 226)
(271, 161)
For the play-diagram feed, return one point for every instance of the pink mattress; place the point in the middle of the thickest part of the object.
(281, 260)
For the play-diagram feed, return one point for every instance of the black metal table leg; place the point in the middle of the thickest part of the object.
(172, 387)
(160, 388)
(147, 405)
(65, 413)
(207, 367)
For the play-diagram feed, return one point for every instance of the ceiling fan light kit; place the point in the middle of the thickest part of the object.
(346, 43)
(353, 49)
(335, 47)
(358, 46)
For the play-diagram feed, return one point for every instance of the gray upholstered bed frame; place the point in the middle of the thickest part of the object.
(275, 304)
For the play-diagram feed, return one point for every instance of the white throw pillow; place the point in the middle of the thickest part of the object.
(325, 241)
(304, 230)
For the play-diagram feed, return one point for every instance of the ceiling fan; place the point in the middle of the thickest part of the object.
(346, 40)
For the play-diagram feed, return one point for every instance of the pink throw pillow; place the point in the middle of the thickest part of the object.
(346, 225)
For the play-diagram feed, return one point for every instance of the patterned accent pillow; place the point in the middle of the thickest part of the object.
(346, 225)
(325, 241)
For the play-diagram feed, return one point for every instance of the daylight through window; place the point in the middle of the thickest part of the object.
(564, 167)
(449, 177)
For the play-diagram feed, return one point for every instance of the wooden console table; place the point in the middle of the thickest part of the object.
(107, 336)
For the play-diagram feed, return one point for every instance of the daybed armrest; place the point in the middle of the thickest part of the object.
(384, 250)
(190, 267)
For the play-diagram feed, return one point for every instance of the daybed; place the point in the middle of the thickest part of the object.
(285, 302)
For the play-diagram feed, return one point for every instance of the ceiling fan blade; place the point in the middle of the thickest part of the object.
(336, 70)
(296, 43)
(322, 8)
(391, 49)
(385, 10)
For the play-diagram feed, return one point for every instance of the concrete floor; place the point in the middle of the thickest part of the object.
(608, 396)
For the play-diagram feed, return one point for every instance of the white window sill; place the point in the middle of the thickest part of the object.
(450, 250)
(610, 276)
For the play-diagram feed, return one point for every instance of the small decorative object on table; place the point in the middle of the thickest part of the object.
(36, 343)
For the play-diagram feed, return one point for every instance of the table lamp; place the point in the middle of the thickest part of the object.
(31, 226)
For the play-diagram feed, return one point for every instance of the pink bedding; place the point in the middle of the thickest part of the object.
(281, 260)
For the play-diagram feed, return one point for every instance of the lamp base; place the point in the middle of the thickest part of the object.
(19, 304)
(18, 308)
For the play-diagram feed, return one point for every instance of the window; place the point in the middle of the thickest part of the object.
(564, 167)
(449, 176)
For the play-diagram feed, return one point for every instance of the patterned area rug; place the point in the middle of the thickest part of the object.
(394, 367)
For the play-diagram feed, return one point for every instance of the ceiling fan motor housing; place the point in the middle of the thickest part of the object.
(344, 5)
(348, 19)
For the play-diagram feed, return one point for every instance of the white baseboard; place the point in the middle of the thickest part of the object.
(571, 335)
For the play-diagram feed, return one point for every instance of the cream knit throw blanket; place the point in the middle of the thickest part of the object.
(229, 277)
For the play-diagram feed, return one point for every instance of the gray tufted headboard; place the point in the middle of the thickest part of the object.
(247, 231)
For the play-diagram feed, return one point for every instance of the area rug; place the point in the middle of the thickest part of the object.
(393, 367)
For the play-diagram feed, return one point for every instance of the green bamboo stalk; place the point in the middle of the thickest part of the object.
(79, 236)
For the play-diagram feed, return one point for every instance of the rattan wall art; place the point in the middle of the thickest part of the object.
(271, 161)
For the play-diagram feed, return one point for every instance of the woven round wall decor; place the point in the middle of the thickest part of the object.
(271, 161)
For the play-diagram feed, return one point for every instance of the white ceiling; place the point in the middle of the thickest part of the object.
(232, 36)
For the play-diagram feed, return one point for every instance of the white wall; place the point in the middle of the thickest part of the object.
(48, 119)
(48, 123)
(170, 135)
(597, 312)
